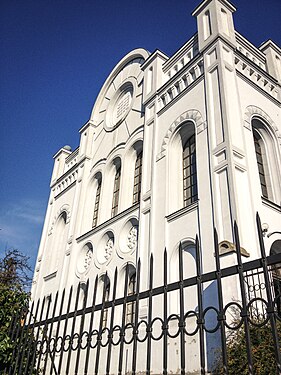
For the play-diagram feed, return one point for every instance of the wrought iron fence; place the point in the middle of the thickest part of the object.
(153, 331)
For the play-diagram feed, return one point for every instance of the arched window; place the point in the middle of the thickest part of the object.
(116, 188)
(58, 241)
(189, 172)
(130, 310)
(182, 173)
(97, 203)
(137, 178)
(260, 156)
(268, 159)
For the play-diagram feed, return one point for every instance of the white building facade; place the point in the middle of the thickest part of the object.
(175, 147)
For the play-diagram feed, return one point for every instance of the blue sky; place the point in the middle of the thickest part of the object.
(54, 57)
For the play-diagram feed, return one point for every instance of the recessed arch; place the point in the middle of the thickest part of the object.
(254, 111)
(181, 167)
(191, 115)
(64, 210)
(267, 156)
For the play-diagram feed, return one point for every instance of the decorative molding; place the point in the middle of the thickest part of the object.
(65, 208)
(108, 222)
(253, 110)
(226, 247)
(193, 115)
(108, 248)
(132, 238)
(182, 211)
(50, 276)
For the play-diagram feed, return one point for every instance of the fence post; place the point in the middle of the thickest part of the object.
(270, 305)
(244, 312)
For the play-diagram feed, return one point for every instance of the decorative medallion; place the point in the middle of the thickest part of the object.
(105, 248)
(85, 259)
(108, 249)
(88, 259)
(120, 105)
(132, 238)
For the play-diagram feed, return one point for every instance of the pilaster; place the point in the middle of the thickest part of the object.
(231, 193)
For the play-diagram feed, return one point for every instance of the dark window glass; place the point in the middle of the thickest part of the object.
(97, 203)
(189, 172)
(137, 179)
(116, 189)
(260, 162)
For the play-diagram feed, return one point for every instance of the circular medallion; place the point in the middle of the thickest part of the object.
(120, 105)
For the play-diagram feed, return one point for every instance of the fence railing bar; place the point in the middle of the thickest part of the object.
(44, 333)
(17, 336)
(270, 305)
(91, 326)
(48, 351)
(149, 317)
(37, 337)
(65, 328)
(22, 339)
(99, 338)
(200, 320)
(110, 336)
(181, 321)
(221, 316)
(31, 344)
(73, 328)
(244, 313)
(53, 367)
(122, 331)
(209, 276)
(136, 319)
(81, 325)
(25, 343)
(165, 315)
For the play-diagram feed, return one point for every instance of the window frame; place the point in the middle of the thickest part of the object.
(189, 171)
(116, 191)
(97, 203)
(137, 178)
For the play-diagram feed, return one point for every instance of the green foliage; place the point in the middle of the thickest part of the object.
(14, 300)
(264, 361)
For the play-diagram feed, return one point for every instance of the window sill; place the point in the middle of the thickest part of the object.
(266, 202)
(183, 211)
(108, 222)
(50, 276)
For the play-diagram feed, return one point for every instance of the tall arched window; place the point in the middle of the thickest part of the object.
(97, 203)
(189, 172)
(182, 174)
(116, 189)
(260, 155)
(268, 159)
(137, 178)
(59, 241)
